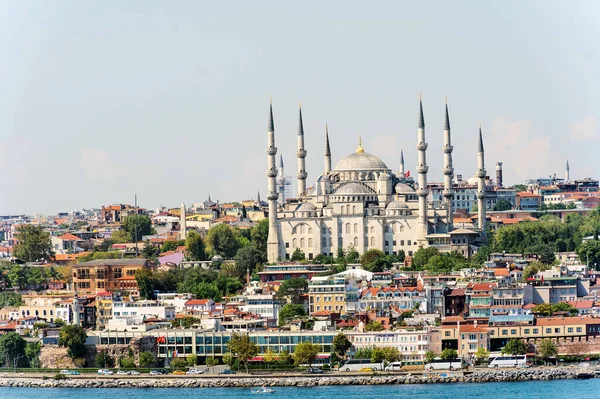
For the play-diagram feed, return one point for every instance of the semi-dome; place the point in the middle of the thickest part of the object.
(306, 206)
(360, 161)
(402, 188)
(396, 205)
(353, 189)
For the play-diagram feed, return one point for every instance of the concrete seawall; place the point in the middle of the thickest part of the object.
(241, 381)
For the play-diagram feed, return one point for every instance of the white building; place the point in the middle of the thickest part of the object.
(265, 306)
(143, 308)
(174, 299)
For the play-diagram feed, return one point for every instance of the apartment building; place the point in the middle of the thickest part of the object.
(108, 275)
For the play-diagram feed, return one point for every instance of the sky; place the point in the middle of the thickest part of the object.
(169, 100)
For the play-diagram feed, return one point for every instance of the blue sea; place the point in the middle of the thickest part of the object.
(500, 390)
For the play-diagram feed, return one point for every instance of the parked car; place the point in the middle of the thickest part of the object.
(179, 372)
(314, 370)
(105, 372)
(69, 372)
(158, 372)
(133, 372)
(195, 371)
(122, 372)
(227, 371)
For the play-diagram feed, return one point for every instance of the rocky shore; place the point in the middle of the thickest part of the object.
(477, 376)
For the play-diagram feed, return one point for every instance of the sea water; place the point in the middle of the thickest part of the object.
(584, 389)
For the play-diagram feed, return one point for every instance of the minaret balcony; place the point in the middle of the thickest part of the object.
(272, 150)
(448, 193)
(301, 175)
(481, 173)
(448, 149)
(422, 192)
(448, 170)
(422, 146)
(423, 169)
(272, 196)
(272, 172)
(480, 195)
(301, 154)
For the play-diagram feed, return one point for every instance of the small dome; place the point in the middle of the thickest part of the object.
(396, 205)
(402, 188)
(473, 181)
(384, 176)
(306, 207)
(360, 161)
(352, 188)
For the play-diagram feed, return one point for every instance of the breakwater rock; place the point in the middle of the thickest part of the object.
(239, 381)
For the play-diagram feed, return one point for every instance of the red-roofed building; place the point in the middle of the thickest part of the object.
(199, 306)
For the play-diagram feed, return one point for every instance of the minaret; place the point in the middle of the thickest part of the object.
(281, 181)
(301, 175)
(273, 237)
(480, 183)
(327, 152)
(401, 171)
(422, 191)
(258, 197)
(448, 170)
(499, 178)
(567, 177)
(75, 307)
(182, 223)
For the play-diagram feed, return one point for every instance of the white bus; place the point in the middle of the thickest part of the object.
(439, 364)
(357, 364)
(507, 361)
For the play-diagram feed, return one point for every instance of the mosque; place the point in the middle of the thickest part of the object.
(362, 204)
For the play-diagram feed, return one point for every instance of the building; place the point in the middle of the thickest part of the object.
(528, 201)
(146, 309)
(360, 203)
(265, 306)
(108, 275)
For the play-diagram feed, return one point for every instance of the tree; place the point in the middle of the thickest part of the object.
(422, 256)
(502, 205)
(146, 359)
(73, 337)
(104, 360)
(178, 363)
(322, 259)
(17, 276)
(391, 354)
(377, 355)
(243, 348)
(379, 265)
(341, 344)
(34, 244)
(248, 259)
(534, 268)
(352, 256)
(548, 309)
(547, 349)
(515, 347)
(138, 226)
(364, 353)
(120, 237)
(284, 357)
(10, 299)
(589, 253)
(32, 352)
(12, 347)
(429, 356)
(289, 311)
(482, 354)
(298, 255)
(146, 282)
(194, 246)
(186, 322)
(448, 354)
(305, 353)
(259, 235)
(371, 256)
(211, 362)
(227, 359)
(519, 187)
(374, 326)
(270, 357)
(293, 289)
(171, 245)
(221, 241)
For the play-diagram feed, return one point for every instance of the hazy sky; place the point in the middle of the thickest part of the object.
(169, 99)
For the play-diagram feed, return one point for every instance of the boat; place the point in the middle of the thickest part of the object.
(263, 390)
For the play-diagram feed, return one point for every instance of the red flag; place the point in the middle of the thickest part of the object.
(407, 174)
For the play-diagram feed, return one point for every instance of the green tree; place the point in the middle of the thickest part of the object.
(589, 253)
(178, 363)
(374, 326)
(194, 246)
(515, 347)
(73, 337)
(270, 357)
(565, 307)
(12, 347)
(305, 353)
(502, 205)
(243, 348)
(370, 256)
(17, 276)
(482, 354)
(364, 353)
(185, 322)
(430, 356)
(422, 256)
(211, 362)
(32, 352)
(248, 259)
(391, 354)
(171, 245)
(10, 299)
(448, 354)
(120, 237)
(379, 265)
(259, 234)
(221, 241)
(290, 311)
(352, 256)
(293, 289)
(227, 359)
(104, 360)
(377, 355)
(138, 226)
(126, 362)
(341, 344)
(146, 282)
(34, 244)
(146, 359)
(322, 259)
(519, 188)
(298, 255)
(547, 349)
(285, 357)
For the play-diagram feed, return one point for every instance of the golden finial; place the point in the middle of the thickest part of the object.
(270, 100)
(360, 149)
(300, 104)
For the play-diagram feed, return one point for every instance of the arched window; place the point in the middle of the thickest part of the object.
(301, 229)
(44, 312)
(294, 243)
(348, 209)
(324, 230)
(51, 312)
(324, 242)
(372, 229)
(342, 210)
(310, 242)
(302, 243)
(310, 230)
(355, 242)
(347, 228)
(37, 313)
(355, 228)
(387, 229)
(353, 208)
(372, 241)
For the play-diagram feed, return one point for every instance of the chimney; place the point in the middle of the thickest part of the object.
(499, 174)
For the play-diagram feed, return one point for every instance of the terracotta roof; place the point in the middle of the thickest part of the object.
(583, 304)
(453, 319)
(560, 321)
(526, 194)
(192, 302)
(70, 237)
(529, 306)
(501, 272)
(481, 286)
(469, 328)
(322, 313)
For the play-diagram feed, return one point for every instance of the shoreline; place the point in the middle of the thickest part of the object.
(281, 380)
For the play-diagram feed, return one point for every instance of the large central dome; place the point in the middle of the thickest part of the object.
(361, 161)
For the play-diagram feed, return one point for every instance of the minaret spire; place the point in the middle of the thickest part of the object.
(281, 181)
(448, 170)
(401, 171)
(301, 175)
(422, 168)
(567, 172)
(327, 151)
(182, 222)
(481, 184)
(273, 236)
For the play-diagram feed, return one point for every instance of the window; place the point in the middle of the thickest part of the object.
(548, 330)
(557, 330)
(408, 242)
(447, 334)
(578, 329)
(570, 329)
(526, 331)
(504, 332)
(536, 331)
(347, 228)
(513, 332)
(118, 273)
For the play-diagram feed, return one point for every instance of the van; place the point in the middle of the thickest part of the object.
(394, 366)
